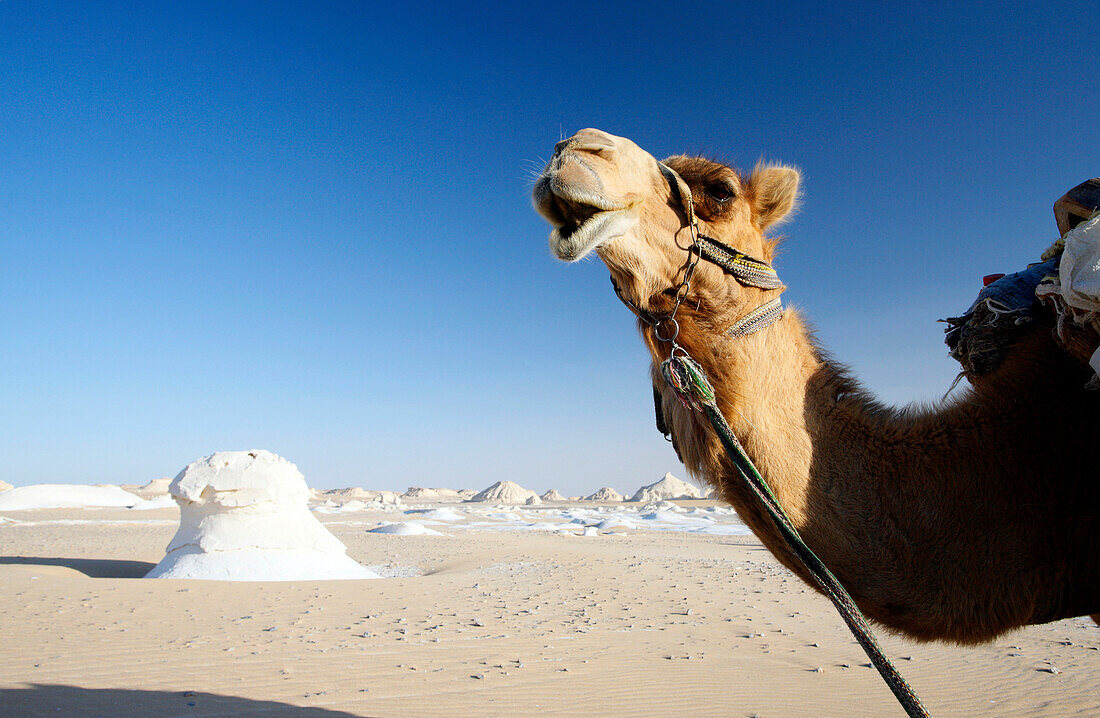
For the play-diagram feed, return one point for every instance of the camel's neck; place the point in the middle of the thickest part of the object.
(919, 513)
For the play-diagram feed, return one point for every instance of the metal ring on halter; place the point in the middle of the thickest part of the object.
(661, 322)
(678, 350)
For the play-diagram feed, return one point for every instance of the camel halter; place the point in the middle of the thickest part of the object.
(691, 386)
(748, 271)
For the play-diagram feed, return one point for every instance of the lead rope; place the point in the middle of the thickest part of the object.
(688, 380)
(694, 390)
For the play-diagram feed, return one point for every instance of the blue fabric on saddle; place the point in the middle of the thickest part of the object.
(982, 337)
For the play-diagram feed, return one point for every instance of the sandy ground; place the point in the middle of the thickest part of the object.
(493, 623)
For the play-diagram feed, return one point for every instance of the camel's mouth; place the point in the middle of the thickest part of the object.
(582, 220)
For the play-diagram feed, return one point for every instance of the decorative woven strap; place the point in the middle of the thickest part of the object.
(763, 316)
(747, 270)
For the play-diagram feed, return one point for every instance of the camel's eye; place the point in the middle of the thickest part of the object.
(720, 191)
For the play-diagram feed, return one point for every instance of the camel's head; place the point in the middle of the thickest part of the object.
(604, 193)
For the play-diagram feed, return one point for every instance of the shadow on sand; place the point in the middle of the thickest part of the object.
(90, 567)
(53, 700)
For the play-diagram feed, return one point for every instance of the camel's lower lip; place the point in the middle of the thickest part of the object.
(582, 219)
(573, 243)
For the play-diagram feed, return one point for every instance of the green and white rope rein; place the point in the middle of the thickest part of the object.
(694, 390)
(688, 380)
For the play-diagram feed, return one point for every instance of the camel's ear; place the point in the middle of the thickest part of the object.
(774, 193)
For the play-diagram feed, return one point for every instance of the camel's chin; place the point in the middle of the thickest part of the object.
(595, 232)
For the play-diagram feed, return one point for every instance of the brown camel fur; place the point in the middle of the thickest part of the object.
(955, 523)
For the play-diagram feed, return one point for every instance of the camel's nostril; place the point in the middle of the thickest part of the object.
(595, 148)
(563, 146)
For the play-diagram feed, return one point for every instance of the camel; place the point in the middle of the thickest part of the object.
(954, 523)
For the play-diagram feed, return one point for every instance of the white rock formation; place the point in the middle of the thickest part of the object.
(243, 517)
(66, 496)
(666, 489)
(4, 485)
(390, 498)
(605, 495)
(506, 492)
(553, 495)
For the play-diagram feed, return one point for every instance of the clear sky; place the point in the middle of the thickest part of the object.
(306, 227)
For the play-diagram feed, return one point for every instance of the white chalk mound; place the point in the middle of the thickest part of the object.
(605, 495)
(244, 517)
(666, 489)
(553, 495)
(444, 514)
(405, 528)
(507, 492)
(5, 486)
(66, 496)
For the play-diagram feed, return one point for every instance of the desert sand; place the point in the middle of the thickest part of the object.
(508, 611)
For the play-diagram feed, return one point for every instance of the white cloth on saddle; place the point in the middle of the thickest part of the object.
(1080, 267)
(1079, 271)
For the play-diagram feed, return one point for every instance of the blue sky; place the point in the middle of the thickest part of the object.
(306, 227)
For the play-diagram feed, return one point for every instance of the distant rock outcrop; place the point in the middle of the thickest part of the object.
(350, 494)
(156, 487)
(553, 495)
(666, 489)
(421, 494)
(4, 485)
(342, 496)
(507, 492)
(418, 493)
(605, 495)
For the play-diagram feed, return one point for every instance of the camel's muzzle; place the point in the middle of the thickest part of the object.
(569, 196)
